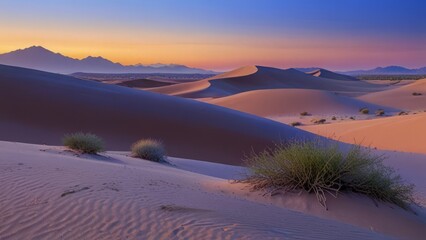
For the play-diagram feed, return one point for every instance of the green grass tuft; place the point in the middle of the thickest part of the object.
(322, 168)
(149, 149)
(84, 142)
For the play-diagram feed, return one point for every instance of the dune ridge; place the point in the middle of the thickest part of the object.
(40, 107)
(256, 78)
(331, 75)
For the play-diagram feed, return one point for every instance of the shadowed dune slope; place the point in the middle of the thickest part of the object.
(40, 107)
(400, 133)
(323, 73)
(256, 78)
(275, 102)
(143, 83)
(401, 97)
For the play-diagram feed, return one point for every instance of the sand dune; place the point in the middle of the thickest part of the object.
(40, 107)
(323, 73)
(48, 193)
(257, 78)
(275, 102)
(400, 96)
(400, 133)
(143, 83)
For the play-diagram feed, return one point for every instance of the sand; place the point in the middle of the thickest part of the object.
(48, 193)
(323, 73)
(40, 107)
(400, 96)
(257, 77)
(278, 102)
(400, 133)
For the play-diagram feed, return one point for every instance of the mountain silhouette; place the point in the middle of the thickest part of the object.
(40, 58)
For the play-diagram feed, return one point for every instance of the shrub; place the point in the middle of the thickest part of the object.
(84, 142)
(319, 121)
(149, 149)
(380, 112)
(304, 114)
(364, 110)
(352, 118)
(333, 118)
(294, 124)
(402, 113)
(416, 94)
(321, 168)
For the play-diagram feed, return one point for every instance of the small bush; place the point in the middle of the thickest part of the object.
(294, 124)
(416, 94)
(380, 112)
(322, 168)
(84, 142)
(402, 113)
(304, 114)
(149, 149)
(364, 110)
(319, 121)
(352, 118)
(334, 118)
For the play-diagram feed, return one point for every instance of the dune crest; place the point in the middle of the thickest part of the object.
(247, 79)
(40, 107)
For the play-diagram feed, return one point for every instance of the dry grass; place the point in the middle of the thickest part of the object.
(149, 149)
(321, 168)
(84, 142)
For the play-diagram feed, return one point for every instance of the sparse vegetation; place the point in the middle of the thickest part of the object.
(149, 149)
(364, 110)
(402, 113)
(321, 168)
(319, 121)
(294, 124)
(84, 142)
(334, 118)
(416, 94)
(380, 112)
(304, 114)
(352, 118)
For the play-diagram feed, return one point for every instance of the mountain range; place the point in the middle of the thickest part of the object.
(40, 58)
(389, 70)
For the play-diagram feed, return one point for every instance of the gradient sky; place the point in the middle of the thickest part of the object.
(223, 34)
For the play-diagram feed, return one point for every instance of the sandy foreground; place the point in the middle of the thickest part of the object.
(49, 193)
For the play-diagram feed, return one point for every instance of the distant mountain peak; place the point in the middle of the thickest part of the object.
(40, 58)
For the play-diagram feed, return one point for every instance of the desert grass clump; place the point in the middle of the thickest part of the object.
(334, 118)
(320, 168)
(364, 110)
(416, 94)
(149, 149)
(84, 142)
(295, 124)
(304, 114)
(319, 121)
(380, 112)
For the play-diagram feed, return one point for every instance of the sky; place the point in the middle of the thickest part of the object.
(223, 34)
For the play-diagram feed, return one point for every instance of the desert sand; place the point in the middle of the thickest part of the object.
(54, 193)
(40, 107)
(401, 96)
(400, 133)
(277, 102)
(259, 77)
(50, 192)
